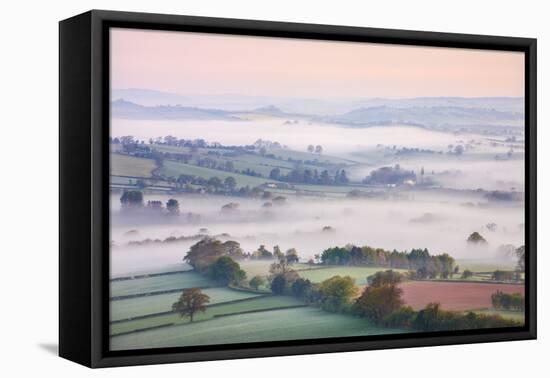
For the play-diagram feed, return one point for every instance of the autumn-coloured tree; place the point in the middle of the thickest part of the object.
(190, 302)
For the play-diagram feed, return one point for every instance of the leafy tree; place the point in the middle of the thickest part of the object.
(256, 282)
(402, 318)
(301, 288)
(131, 199)
(214, 182)
(278, 284)
(233, 249)
(230, 182)
(389, 277)
(277, 253)
(173, 207)
(275, 174)
(310, 148)
(337, 291)
(226, 271)
(378, 302)
(262, 253)
(318, 149)
(476, 238)
(514, 301)
(520, 253)
(190, 302)
(502, 275)
(467, 274)
(292, 256)
(204, 253)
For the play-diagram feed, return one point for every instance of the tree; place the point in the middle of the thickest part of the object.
(301, 288)
(190, 302)
(131, 199)
(292, 256)
(230, 182)
(520, 253)
(378, 302)
(262, 253)
(476, 238)
(467, 274)
(458, 150)
(277, 253)
(310, 148)
(226, 271)
(318, 149)
(343, 178)
(278, 284)
(336, 292)
(173, 207)
(204, 253)
(275, 174)
(256, 282)
(389, 277)
(215, 182)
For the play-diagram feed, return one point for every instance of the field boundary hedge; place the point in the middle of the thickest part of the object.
(171, 312)
(147, 275)
(168, 291)
(260, 310)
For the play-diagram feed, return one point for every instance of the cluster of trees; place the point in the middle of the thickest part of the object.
(419, 261)
(504, 301)
(504, 275)
(390, 176)
(133, 199)
(335, 294)
(207, 251)
(315, 149)
(302, 175)
(262, 253)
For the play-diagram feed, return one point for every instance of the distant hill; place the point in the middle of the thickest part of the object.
(431, 117)
(312, 106)
(128, 110)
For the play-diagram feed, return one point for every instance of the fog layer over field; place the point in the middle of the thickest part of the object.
(440, 223)
(335, 139)
(366, 148)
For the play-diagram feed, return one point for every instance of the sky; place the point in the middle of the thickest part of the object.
(210, 64)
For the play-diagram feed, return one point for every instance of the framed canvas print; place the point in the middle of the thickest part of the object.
(234, 188)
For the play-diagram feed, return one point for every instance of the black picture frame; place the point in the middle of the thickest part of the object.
(84, 169)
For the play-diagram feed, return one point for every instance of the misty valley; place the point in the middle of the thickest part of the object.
(304, 220)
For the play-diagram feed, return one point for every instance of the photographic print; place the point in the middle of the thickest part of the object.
(274, 189)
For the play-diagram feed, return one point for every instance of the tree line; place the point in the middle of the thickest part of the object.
(419, 261)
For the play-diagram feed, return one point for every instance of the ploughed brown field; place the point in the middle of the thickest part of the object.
(454, 295)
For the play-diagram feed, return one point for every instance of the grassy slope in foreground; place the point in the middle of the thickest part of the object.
(255, 304)
(124, 165)
(289, 324)
(359, 273)
(154, 304)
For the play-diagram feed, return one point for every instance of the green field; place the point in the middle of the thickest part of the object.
(153, 304)
(254, 304)
(174, 169)
(359, 273)
(514, 315)
(124, 165)
(163, 269)
(484, 266)
(287, 324)
(261, 267)
(159, 283)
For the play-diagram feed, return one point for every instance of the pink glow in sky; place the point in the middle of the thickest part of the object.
(193, 63)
